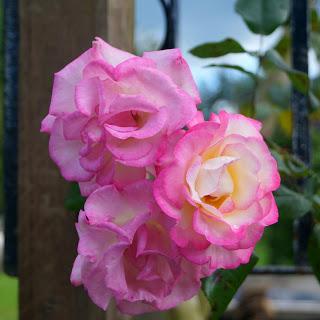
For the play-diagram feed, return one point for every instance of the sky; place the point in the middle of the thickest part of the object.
(203, 21)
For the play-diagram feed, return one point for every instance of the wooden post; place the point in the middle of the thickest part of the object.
(52, 34)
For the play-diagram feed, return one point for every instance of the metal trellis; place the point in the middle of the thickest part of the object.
(10, 146)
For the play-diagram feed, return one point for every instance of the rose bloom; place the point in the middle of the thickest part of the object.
(125, 252)
(111, 111)
(218, 188)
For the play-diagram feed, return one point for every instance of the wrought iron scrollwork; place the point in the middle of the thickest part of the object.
(170, 8)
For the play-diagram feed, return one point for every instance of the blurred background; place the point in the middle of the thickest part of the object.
(197, 22)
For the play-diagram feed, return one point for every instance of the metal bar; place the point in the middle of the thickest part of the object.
(170, 8)
(282, 270)
(11, 58)
(300, 120)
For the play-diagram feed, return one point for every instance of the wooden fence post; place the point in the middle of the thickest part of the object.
(52, 34)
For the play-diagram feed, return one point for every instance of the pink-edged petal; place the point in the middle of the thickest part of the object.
(160, 90)
(97, 290)
(252, 235)
(121, 210)
(270, 208)
(268, 175)
(87, 95)
(92, 132)
(47, 123)
(134, 152)
(196, 120)
(167, 146)
(102, 178)
(240, 125)
(109, 91)
(95, 159)
(246, 187)
(246, 158)
(124, 102)
(153, 118)
(93, 240)
(215, 230)
(135, 308)
(110, 54)
(106, 174)
(213, 178)
(174, 65)
(125, 175)
(76, 273)
(87, 187)
(184, 235)
(217, 257)
(133, 64)
(73, 125)
(186, 286)
(238, 218)
(228, 259)
(93, 280)
(214, 118)
(168, 189)
(65, 154)
(194, 142)
(98, 69)
(153, 239)
(62, 100)
(123, 282)
(191, 178)
(91, 275)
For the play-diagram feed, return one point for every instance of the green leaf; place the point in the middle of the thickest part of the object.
(314, 101)
(291, 203)
(234, 67)
(74, 201)
(298, 79)
(263, 16)
(315, 24)
(217, 49)
(316, 207)
(284, 44)
(282, 167)
(314, 250)
(315, 43)
(222, 285)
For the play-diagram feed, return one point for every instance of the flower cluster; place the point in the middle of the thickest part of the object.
(170, 197)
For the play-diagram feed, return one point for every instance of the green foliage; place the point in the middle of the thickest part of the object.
(314, 251)
(314, 102)
(298, 79)
(315, 43)
(291, 203)
(283, 45)
(234, 67)
(315, 23)
(263, 16)
(217, 49)
(74, 201)
(222, 285)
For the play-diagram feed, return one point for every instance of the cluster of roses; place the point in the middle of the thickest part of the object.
(170, 197)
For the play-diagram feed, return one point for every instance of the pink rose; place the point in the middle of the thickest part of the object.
(111, 104)
(125, 252)
(218, 188)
